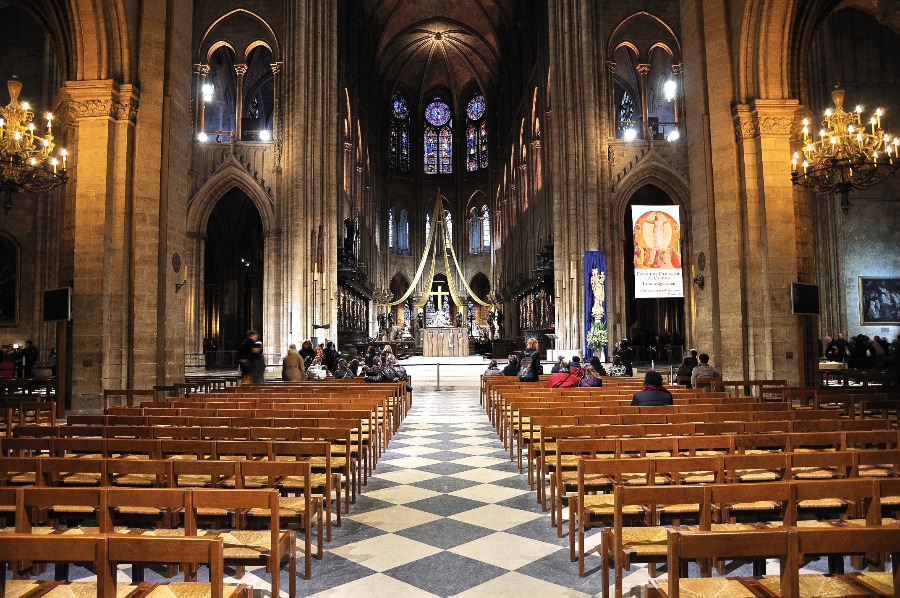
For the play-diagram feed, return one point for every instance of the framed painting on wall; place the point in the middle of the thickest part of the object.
(9, 282)
(879, 300)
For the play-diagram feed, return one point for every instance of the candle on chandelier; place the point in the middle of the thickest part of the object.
(49, 122)
(63, 153)
(878, 113)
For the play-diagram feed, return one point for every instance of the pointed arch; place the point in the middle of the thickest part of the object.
(230, 175)
(658, 173)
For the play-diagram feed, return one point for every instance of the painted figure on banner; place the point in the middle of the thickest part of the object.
(599, 291)
(656, 241)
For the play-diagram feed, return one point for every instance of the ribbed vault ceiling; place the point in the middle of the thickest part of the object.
(422, 45)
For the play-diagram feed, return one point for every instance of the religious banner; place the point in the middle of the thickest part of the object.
(594, 293)
(657, 252)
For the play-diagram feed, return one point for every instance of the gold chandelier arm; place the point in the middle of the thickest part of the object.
(425, 296)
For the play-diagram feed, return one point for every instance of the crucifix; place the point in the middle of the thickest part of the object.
(439, 295)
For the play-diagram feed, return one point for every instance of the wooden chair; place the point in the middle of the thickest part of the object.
(19, 548)
(593, 509)
(646, 544)
(564, 478)
(690, 545)
(269, 547)
(326, 485)
(141, 550)
(296, 506)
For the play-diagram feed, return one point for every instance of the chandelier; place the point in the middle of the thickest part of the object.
(848, 154)
(27, 161)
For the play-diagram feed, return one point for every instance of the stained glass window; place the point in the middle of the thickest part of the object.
(475, 109)
(391, 230)
(399, 134)
(476, 135)
(438, 138)
(474, 232)
(402, 235)
(431, 151)
(438, 113)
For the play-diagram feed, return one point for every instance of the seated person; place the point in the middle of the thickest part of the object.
(576, 363)
(512, 367)
(684, 372)
(654, 394)
(558, 366)
(342, 370)
(703, 370)
(617, 369)
(598, 366)
(492, 369)
(570, 376)
(591, 377)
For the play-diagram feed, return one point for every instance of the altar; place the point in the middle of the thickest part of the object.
(445, 342)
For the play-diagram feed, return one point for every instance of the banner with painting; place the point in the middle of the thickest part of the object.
(657, 251)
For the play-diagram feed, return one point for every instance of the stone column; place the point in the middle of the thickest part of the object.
(575, 57)
(311, 149)
(202, 71)
(643, 70)
(776, 229)
(99, 116)
(276, 108)
(240, 70)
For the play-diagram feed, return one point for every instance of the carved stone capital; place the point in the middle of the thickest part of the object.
(240, 69)
(642, 69)
(96, 99)
(201, 69)
(611, 66)
(677, 68)
(745, 124)
(276, 67)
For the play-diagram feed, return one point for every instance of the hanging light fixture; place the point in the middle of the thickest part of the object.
(28, 163)
(847, 154)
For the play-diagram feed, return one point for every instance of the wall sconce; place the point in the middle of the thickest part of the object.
(700, 281)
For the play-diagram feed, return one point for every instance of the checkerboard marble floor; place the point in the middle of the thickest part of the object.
(447, 514)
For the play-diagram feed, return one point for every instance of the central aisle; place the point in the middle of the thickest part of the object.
(447, 514)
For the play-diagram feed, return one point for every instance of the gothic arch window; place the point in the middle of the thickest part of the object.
(438, 138)
(485, 229)
(399, 131)
(476, 135)
(398, 231)
(402, 235)
(474, 232)
(391, 243)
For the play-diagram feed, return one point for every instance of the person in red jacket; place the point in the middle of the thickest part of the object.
(567, 376)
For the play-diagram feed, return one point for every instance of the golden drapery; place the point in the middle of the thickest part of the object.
(438, 223)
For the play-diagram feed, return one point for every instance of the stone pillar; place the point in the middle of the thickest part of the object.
(575, 57)
(643, 70)
(310, 164)
(99, 116)
(776, 226)
(679, 94)
(276, 108)
(240, 70)
(202, 71)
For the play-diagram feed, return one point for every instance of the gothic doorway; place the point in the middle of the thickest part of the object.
(476, 315)
(655, 326)
(402, 314)
(233, 276)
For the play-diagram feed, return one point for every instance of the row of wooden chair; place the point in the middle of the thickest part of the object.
(635, 518)
(278, 499)
(791, 547)
(105, 553)
(21, 412)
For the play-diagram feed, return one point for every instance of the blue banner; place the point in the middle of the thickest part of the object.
(594, 278)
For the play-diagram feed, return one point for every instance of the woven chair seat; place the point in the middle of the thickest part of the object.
(176, 532)
(188, 589)
(816, 586)
(135, 479)
(72, 509)
(640, 540)
(152, 511)
(880, 581)
(592, 479)
(27, 478)
(640, 479)
(680, 509)
(759, 505)
(316, 480)
(875, 471)
(713, 587)
(288, 506)
(756, 475)
(336, 462)
(239, 541)
(700, 477)
(813, 473)
(737, 527)
(81, 479)
(19, 587)
(602, 504)
(891, 501)
(823, 503)
(212, 512)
